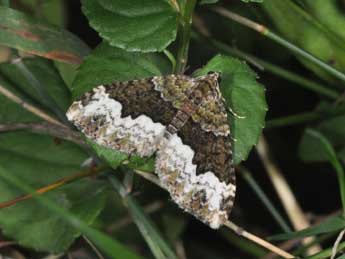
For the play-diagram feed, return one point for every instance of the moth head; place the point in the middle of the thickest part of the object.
(209, 83)
(214, 76)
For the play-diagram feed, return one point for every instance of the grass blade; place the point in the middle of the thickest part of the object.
(109, 246)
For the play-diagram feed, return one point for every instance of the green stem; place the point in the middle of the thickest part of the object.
(40, 89)
(271, 35)
(293, 120)
(185, 32)
(264, 199)
(172, 59)
(303, 118)
(290, 76)
(152, 236)
(341, 180)
(332, 156)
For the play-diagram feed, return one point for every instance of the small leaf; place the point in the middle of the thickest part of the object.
(108, 64)
(320, 144)
(246, 98)
(113, 157)
(333, 129)
(23, 32)
(330, 225)
(145, 26)
(38, 160)
(311, 148)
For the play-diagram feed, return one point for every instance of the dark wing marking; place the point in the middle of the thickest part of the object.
(195, 164)
(126, 116)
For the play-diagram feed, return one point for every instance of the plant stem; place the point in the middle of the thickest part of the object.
(257, 240)
(43, 115)
(46, 129)
(265, 200)
(185, 32)
(230, 225)
(271, 35)
(40, 89)
(293, 119)
(55, 185)
(157, 244)
(276, 70)
(172, 59)
(303, 118)
(285, 194)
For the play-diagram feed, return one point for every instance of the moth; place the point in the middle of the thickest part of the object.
(179, 118)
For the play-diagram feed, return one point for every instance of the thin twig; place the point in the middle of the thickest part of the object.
(94, 248)
(290, 204)
(29, 107)
(336, 244)
(46, 128)
(229, 224)
(241, 232)
(66, 180)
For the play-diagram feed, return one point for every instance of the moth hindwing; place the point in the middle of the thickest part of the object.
(180, 118)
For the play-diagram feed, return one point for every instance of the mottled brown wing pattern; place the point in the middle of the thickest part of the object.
(181, 118)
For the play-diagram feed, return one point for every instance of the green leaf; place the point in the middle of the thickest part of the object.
(158, 245)
(67, 72)
(53, 11)
(45, 72)
(317, 147)
(11, 112)
(145, 26)
(113, 157)
(246, 98)
(311, 149)
(333, 129)
(329, 225)
(301, 28)
(109, 246)
(23, 32)
(108, 64)
(329, 13)
(39, 161)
